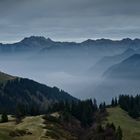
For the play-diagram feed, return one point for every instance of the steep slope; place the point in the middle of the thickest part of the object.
(122, 78)
(107, 61)
(130, 127)
(29, 93)
(127, 69)
(4, 77)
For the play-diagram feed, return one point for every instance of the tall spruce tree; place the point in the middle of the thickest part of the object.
(4, 118)
(119, 133)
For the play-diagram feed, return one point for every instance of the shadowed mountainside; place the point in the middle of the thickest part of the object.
(122, 78)
(31, 94)
(103, 64)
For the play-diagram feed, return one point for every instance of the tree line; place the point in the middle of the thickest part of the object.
(130, 104)
(85, 111)
(82, 110)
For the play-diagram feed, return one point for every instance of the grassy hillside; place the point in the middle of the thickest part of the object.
(130, 127)
(38, 127)
(51, 130)
(32, 124)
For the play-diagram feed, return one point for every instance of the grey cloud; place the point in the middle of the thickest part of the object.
(69, 19)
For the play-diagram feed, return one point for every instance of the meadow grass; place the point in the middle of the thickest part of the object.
(32, 124)
(130, 126)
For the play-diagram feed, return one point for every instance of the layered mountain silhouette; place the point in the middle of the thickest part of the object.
(127, 69)
(15, 90)
(103, 64)
(121, 78)
(74, 58)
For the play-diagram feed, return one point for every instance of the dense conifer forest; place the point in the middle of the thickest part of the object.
(130, 104)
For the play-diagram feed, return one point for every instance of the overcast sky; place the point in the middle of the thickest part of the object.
(69, 19)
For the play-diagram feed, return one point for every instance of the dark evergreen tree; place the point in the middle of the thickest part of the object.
(115, 102)
(119, 133)
(102, 107)
(19, 112)
(99, 129)
(112, 102)
(130, 104)
(4, 118)
(82, 110)
(108, 132)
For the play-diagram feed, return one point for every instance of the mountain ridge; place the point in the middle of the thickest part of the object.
(87, 40)
(107, 61)
(30, 94)
(42, 42)
(120, 79)
(127, 67)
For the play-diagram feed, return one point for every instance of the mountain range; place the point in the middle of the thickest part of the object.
(41, 43)
(61, 62)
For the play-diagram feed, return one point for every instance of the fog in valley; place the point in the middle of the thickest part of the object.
(77, 72)
(69, 74)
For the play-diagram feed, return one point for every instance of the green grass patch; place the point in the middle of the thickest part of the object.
(31, 128)
(130, 126)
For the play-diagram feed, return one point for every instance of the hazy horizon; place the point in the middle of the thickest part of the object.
(80, 40)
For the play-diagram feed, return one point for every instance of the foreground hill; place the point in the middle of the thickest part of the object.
(130, 127)
(35, 130)
(48, 127)
(34, 125)
(28, 93)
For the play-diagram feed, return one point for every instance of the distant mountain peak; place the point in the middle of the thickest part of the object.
(97, 40)
(49, 39)
(127, 40)
(103, 39)
(38, 42)
(88, 41)
(36, 38)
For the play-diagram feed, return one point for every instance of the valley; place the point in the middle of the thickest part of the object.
(69, 70)
(77, 68)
